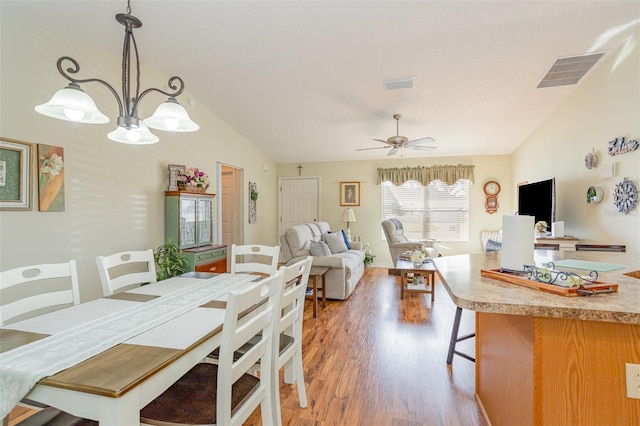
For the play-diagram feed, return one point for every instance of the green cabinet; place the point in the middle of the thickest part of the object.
(190, 223)
(189, 219)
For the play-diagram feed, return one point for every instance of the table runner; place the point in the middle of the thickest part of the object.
(22, 367)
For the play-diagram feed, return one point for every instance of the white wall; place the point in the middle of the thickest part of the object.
(369, 213)
(114, 193)
(606, 105)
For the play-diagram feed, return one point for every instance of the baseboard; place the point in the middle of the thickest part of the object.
(482, 410)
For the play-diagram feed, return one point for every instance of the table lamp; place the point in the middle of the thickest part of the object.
(348, 216)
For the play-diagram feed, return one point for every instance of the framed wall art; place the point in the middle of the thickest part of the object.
(16, 158)
(174, 170)
(349, 193)
(50, 178)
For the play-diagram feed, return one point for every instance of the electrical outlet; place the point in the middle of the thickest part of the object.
(633, 380)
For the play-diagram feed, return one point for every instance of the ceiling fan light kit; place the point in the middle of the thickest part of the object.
(399, 142)
(73, 104)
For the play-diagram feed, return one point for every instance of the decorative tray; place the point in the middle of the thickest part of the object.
(552, 281)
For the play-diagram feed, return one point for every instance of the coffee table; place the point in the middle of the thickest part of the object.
(424, 272)
(315, 273)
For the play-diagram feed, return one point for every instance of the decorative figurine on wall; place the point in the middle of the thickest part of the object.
(590, 160)
(253, 198)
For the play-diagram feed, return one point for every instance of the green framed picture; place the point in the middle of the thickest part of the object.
(16, 159)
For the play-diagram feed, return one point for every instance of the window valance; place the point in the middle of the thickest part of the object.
(424, 175)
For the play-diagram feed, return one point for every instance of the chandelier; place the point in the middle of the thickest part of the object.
(74, 104)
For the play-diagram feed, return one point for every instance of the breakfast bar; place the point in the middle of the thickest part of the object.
(547, 359)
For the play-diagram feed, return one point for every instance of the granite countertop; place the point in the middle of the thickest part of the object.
(468, 290)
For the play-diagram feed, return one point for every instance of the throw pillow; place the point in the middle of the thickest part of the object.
(493, 246)
(335, 241)
(319, 248)
(346, 240)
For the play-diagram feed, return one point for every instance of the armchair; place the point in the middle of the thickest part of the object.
(399, 243)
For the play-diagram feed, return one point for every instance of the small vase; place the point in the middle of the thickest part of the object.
(417, 264)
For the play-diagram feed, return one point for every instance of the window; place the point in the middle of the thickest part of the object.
(437, 211)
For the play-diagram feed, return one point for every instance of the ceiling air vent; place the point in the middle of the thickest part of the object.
(567, 71)
(400, 83)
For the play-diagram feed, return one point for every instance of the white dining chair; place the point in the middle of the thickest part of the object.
(45, 286)
(121, 270)
(61, 289)
(224, 393)
(254, 258)
(287, 351)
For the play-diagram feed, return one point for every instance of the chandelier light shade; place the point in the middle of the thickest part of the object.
(134, 136)
(73, 104)
(171, 117)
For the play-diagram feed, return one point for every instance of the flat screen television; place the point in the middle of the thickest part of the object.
(538, 199)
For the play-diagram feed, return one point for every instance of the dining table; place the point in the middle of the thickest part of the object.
(107, 358)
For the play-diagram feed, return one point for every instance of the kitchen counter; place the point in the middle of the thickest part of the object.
(547, 359)
(461, 276)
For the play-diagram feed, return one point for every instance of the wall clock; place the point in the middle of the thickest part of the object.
(625, 196)
(491, 190)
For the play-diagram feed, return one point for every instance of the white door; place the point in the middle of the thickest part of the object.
(299, 201)
(230, 195)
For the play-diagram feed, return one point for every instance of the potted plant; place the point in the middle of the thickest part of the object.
(170, 261)
(368, 256)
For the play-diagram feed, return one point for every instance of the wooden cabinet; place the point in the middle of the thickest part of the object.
(190, 223)
(207, 259)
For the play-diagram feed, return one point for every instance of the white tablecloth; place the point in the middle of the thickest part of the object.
(22, 367)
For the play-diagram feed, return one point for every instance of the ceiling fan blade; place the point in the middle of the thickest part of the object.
(421, 141)
(382, 140)
(377, 147)
(421, 147)
(393, 151)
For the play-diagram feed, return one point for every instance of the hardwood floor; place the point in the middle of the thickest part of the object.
(377, 360)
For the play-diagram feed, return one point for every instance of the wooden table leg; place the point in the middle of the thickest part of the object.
(324, 293)
(430, 276)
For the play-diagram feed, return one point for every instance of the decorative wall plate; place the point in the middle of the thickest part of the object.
(625, 196)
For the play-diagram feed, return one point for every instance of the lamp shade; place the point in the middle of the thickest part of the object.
(137, 136)
(171, 117)
(348, 216)
(72, 104)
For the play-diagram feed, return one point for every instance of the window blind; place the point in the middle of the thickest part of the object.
(436, 211)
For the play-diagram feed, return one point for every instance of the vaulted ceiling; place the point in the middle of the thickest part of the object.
(304, 80)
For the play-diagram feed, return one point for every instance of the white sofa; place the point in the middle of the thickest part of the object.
(347, 267)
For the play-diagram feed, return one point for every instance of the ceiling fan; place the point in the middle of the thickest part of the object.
(398, 142)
